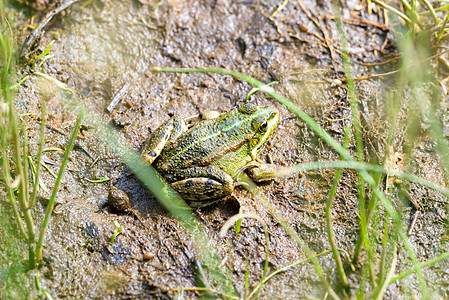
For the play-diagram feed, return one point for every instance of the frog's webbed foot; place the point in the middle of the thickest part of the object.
(241, 183)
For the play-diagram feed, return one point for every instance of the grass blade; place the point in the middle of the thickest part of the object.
(39, 151)
(51, 202)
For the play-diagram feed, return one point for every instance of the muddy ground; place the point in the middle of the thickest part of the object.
(103, 47)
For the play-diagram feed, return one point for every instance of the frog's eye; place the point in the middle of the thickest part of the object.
(260, 124)
(248, 108)
(263, 125)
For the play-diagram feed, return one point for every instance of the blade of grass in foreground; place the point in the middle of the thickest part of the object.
(328, 213)
(39, 152)
(10, 127)
(289, 171)
(6, 175)
(364, 213)
(20, 160)
(51, 202)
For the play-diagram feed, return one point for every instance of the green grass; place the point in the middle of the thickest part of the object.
(20, 175)
(12, 275)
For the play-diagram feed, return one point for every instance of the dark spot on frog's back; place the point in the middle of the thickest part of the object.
(203, 152)
(227, 127)
(225, 123)
(208, 188)
(209, 193)
(248, 108)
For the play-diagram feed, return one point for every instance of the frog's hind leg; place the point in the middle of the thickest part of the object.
(158, 139)
(179, 127)
(203, 184)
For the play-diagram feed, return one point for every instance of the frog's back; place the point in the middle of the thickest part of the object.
(207, 142)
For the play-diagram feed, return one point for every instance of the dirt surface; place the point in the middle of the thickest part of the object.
(103, 48)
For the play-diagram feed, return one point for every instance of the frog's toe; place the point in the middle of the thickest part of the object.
(150, 157)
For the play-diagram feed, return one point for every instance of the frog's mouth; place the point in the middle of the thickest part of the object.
(272, 121)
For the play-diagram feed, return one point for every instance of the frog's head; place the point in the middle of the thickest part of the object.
(264, 121)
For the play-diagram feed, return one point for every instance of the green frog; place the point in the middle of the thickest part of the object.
(202, 163)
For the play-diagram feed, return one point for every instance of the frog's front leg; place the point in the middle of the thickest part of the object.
(165, 134)
(200, 185)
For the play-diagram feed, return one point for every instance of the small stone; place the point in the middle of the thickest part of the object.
(147, 255)
(120, 121)
(209, 115)
(118, 200)
(336, 82)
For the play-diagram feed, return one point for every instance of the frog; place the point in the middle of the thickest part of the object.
(203, 163)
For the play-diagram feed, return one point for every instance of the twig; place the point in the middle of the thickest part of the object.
(37, 31)
(117, 97)
(344, 79)
(77, 145)
(318, 25)
(375, 64)
(412, 225)
(361, 21)
(281, 7)
(370, 76)
(306, 41)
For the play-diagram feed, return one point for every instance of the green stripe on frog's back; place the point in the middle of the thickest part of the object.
(214, 138)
